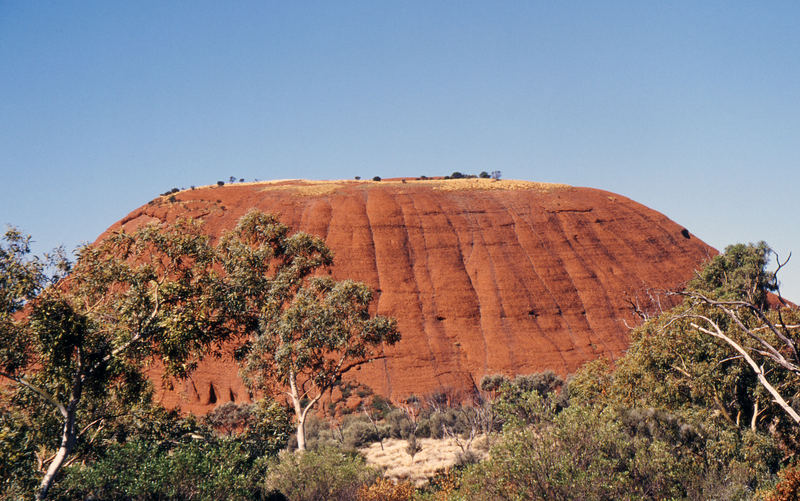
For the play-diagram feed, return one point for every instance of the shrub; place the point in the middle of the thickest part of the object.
(220, 183)
(376, 178)
(358, 431)
(413, 446)
(17, 456)
(326, 473)
(542, 382)
(381, 405)
(318, 435)
(385, 490)
(484, 175)
(788, 488)
(592, 453)
(400, 426)
(493, 382)
(141, 469)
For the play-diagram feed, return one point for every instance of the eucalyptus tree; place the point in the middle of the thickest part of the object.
(730, 347)
(306, 331)
(126, 300)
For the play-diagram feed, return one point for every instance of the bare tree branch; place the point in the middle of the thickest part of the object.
(717, 332)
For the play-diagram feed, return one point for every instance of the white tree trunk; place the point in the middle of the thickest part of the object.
(67, 442)
(301, 433)
(759, 372)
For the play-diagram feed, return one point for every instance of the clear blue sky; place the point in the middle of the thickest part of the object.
(692, 108)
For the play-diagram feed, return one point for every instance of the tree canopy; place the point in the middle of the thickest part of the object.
(75, 339)
(306, 333)
(83, 340)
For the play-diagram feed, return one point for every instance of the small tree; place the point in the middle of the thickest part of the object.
(413, 446)
(305, 333)
(324, 331)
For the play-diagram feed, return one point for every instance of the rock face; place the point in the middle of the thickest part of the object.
(483, 276)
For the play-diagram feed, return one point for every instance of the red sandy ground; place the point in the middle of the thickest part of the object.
(484, 277)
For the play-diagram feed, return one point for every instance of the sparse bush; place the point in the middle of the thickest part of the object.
(400, 424)
(357, 431)
(381, 405)
(542, 382)
(326, 473)
(493, 382)
(413, 446)
(466, 458)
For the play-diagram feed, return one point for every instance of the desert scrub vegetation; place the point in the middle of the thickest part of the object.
(701, 406)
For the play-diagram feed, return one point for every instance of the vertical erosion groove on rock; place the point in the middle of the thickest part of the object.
(483, 276)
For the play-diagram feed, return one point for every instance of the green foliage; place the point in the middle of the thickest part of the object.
(672, 364)
(594, 453)
(358, 431)
(263, 428)
(141, 469)
(306, 332)
(18, 450)
(22, 277)
(324, 318)
(326, 473)
(739, 273)
(76, 357)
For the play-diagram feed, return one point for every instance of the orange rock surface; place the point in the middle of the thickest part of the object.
(483, 276)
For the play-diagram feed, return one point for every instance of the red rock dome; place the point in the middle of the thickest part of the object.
(483, 276)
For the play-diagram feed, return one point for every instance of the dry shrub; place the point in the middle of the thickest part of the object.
(442, 486)
(788, 489)
(385, 490)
